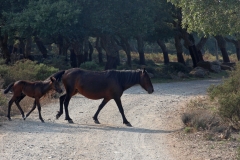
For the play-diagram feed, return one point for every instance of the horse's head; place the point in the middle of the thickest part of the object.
(55, 85)
(145, 81)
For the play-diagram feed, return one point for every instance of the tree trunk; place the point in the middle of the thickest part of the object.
(199, 46)
(127, 49)
(85, 48)
(28, 48)
(90, 51)
(99, 49)
(73, 59)
(110, 47)
(22, 47)
(78, 50)
(222, 45)
(164, 50)
(41, 46)
(179, 49)
(141, 50)
(4, 48)
(189, 42)
(237, 46)
(60, 45)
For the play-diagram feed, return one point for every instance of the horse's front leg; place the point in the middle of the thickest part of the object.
(34, 106)
(119, 104)
(95, 117)
(66, 102)
(39, 110)
(61, 100)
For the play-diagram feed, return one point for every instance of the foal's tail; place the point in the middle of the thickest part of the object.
(57, 76)
(8, 88)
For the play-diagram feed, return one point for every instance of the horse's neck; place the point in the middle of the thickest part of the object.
(46, 87)
(129, 79)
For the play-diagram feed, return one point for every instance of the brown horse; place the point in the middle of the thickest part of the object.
(32, 89)
(104, 85)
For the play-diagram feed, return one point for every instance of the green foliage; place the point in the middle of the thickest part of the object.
(224, 14)
(25, 70)
(91, 65)
(228, 96)
(3, 100)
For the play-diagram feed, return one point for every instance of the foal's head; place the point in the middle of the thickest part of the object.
(145, 81)
(55, 85)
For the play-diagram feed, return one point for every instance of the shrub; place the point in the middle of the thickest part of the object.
(3, 103)
(91, 65)
(228, 96)
(25, 70)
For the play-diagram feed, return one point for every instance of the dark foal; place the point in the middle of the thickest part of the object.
(32, 89)
(104, 85)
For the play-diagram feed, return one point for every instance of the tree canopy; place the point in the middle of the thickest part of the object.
(210, 17)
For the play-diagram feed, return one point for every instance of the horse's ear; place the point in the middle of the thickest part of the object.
(52, 79)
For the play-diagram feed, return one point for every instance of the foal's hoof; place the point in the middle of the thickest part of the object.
(9, 119)
(24, 118)
(128, 124)
(70, 121)
(42, 120)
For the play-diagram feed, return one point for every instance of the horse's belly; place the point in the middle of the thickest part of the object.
(93, 95)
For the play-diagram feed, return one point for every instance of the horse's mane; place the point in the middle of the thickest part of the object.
(125, 76)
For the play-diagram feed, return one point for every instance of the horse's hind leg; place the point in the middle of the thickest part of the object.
(34, 106)
(19, 107)
(95, 117)
(9, 108)
(119, 104)
(60, 112)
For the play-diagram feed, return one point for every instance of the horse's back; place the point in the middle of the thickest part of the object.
(93, 85)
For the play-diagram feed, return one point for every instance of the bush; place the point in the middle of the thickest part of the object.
(3, 103)
(25, 70)
(91, 65)
(228, 96)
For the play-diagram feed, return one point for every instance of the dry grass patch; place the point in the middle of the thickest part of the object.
(202, 115)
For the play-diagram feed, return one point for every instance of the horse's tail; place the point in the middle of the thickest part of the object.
(57, 76)
(8, 88)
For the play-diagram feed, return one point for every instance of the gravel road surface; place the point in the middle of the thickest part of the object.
(150, 114)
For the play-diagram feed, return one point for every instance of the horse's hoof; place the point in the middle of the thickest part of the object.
(58, 115)
(24, 118)
(96, 122)
(9, 119)
(70, 121)
(42, 121)
(128, 124)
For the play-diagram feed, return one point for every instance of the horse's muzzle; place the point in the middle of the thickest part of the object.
(150, 90)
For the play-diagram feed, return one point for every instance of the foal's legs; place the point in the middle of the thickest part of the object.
(19, 107)
(39, 110)
(119, 104)
(104, 102)
(34, 106)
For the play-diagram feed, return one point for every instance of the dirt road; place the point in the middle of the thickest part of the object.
(153, 117)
